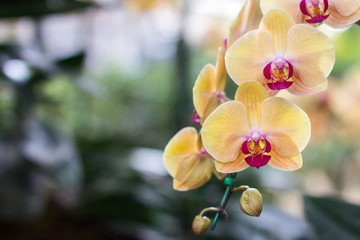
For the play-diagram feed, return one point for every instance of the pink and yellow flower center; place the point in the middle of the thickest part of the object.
(278, 73)
(315, 9)
(256, 146)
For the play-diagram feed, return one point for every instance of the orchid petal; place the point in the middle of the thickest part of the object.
(337, 20)
(212, 104)
(224, 131)
(285, 163)
(181, 146)
(192, 173)
(247, 57)
(237, 165)
(299, 88)
(345, 7)
(220, 72)
(282, 116)
(283, 144)
(311, 53)
(277, 22)
(257, 160)
(218, 174)
(248, 19)
(252, 94)
(290, 6)
(204, 88)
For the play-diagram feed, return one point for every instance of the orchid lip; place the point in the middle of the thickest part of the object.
(316, 10)
(318, 19)
(279, 85)
(257, 160)
(279, 73)
(256, 147)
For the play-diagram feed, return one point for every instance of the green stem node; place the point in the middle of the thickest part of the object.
(230, 182)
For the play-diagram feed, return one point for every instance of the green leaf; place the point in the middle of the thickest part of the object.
(332, 218)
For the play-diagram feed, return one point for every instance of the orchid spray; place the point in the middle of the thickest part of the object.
(263, 54)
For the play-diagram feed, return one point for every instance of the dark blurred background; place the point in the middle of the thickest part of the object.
(92, 91)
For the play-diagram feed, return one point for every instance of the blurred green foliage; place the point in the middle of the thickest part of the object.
(347, 50)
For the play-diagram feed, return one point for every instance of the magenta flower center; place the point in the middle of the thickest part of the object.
(316, 10)
(256, 148)
(278, 73)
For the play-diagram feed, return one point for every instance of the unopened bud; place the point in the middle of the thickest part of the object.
(251, 202)
(200, 224)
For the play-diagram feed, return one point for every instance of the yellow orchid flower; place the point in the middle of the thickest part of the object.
(141, 5)
(336, 13)
(248, 19)
(282, 55)
(208, 91)
(187, 161)
(255, 130)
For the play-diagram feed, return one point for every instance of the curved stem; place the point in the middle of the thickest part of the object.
(209, 209)
(240, 188)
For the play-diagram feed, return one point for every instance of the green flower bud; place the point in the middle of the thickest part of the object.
(251, 202)
(200, 224)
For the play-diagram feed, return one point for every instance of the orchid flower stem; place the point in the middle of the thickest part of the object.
(238, 189)
(223, 203)
(210, 209)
